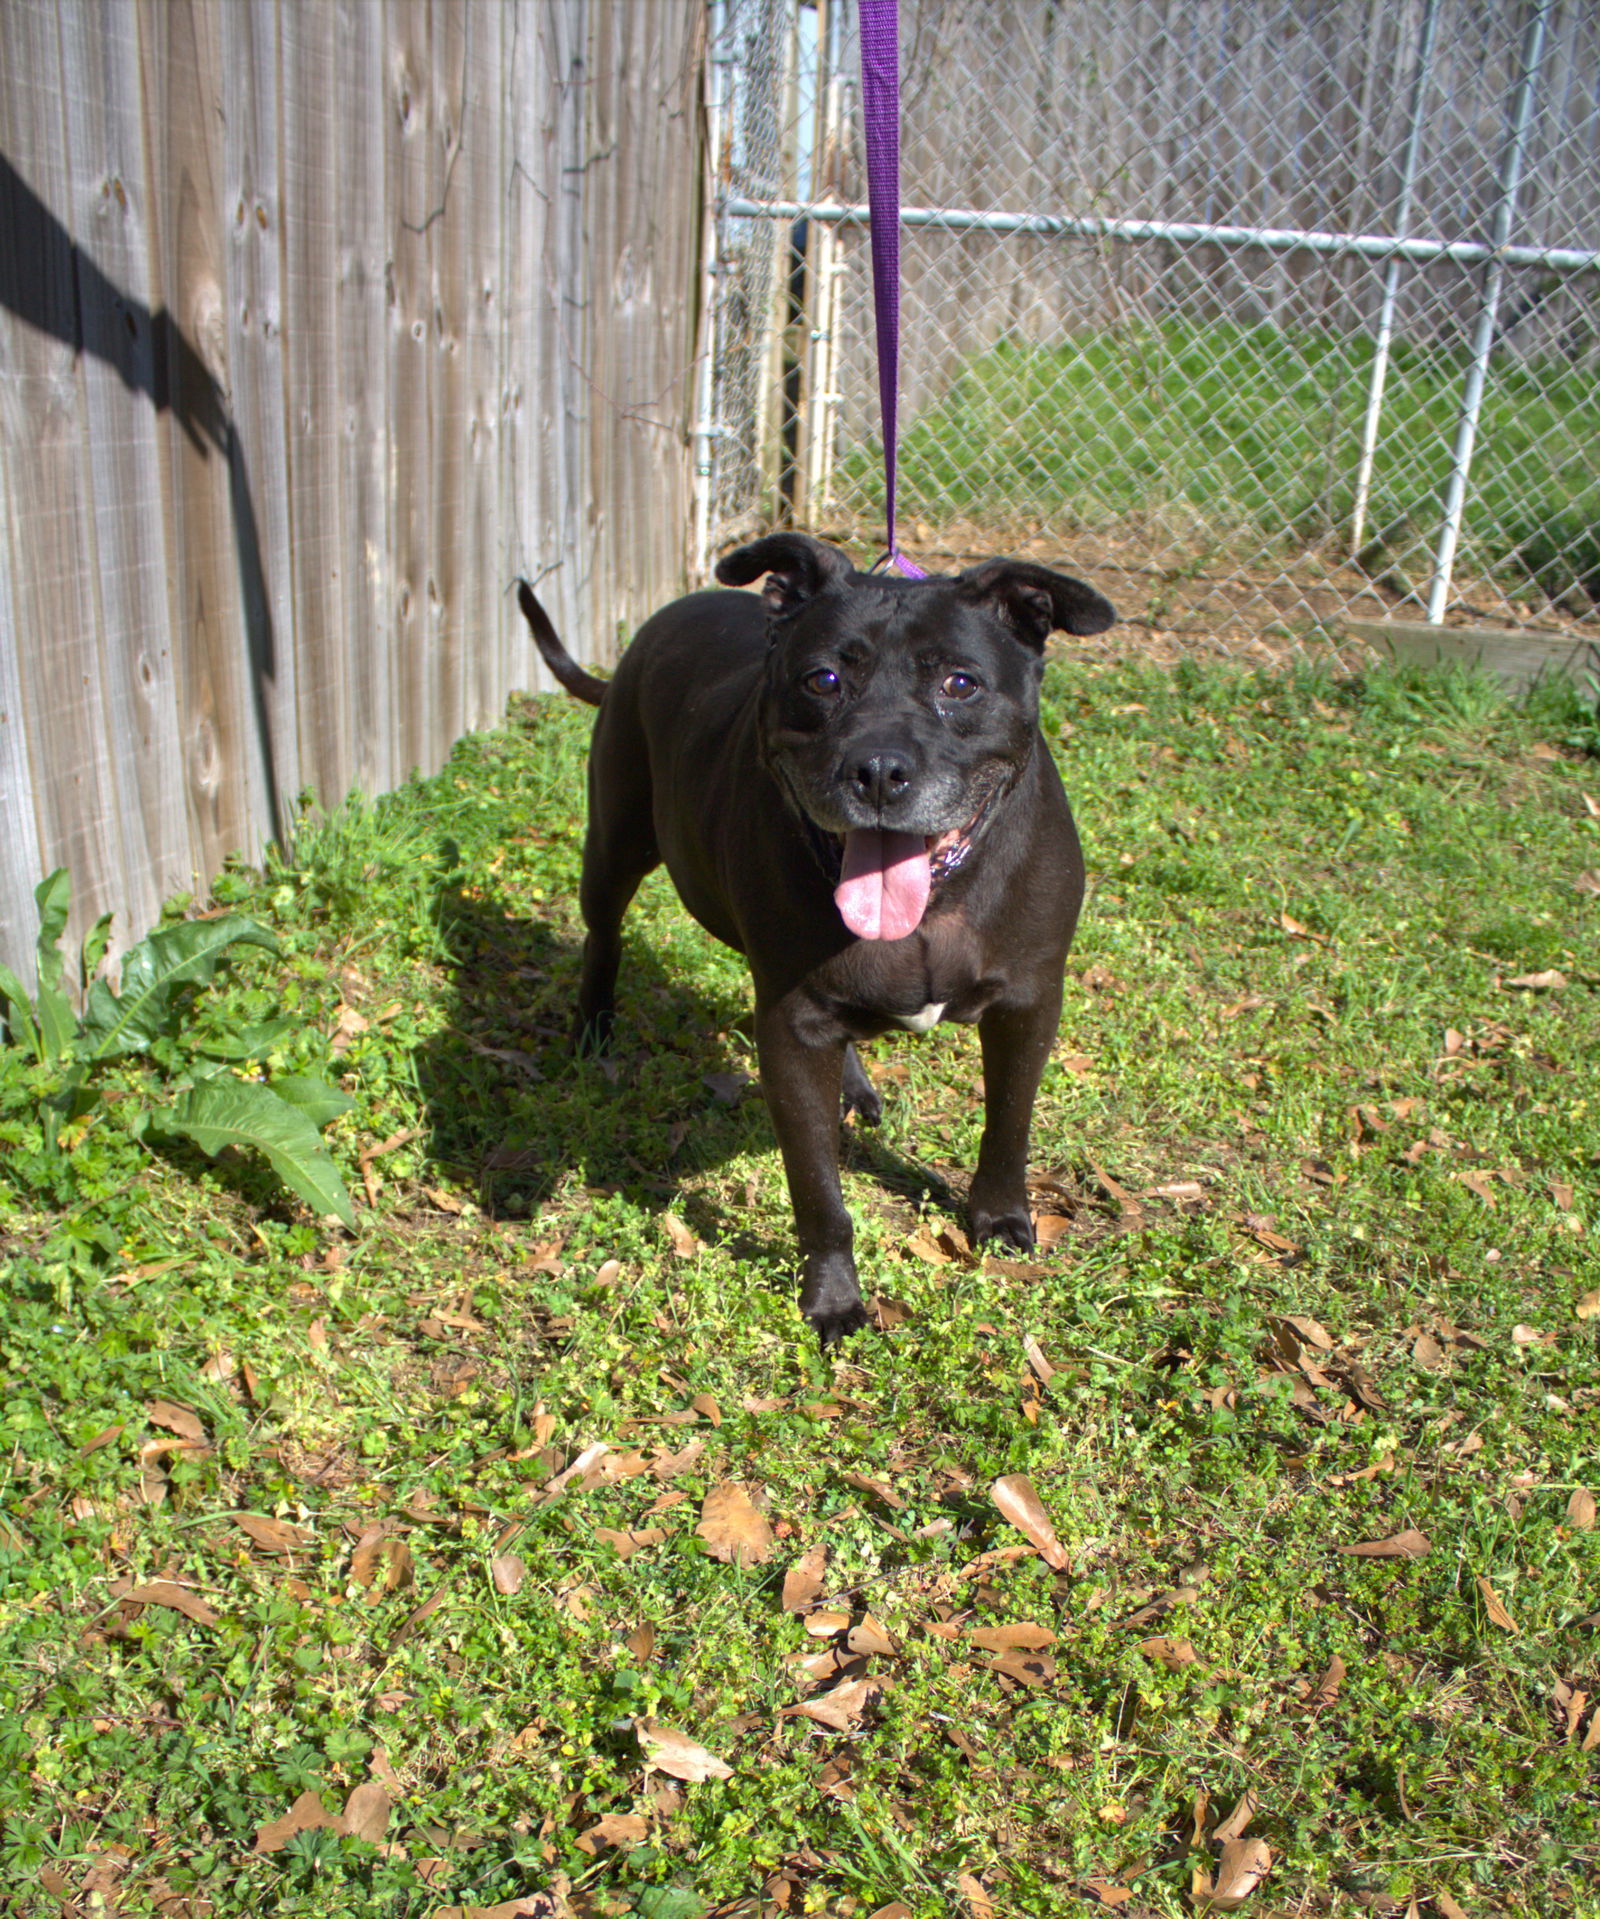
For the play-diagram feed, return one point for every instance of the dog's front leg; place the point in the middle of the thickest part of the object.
(802, 1083)
(1016, 1042)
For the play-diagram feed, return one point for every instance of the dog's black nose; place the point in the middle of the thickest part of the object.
(881, 779)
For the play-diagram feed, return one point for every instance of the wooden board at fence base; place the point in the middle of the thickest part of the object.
(1519, 660)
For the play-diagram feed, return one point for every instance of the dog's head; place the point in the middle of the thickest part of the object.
(897, 712)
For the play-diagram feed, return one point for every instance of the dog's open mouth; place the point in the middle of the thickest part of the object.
(885, 878)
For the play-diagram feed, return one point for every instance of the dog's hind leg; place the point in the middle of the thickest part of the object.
(618, 851)
(860, 1095)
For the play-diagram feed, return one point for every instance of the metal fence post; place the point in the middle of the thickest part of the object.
(1391, 278)
(1483, 339)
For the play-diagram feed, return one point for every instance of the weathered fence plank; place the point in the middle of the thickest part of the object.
(303, 354)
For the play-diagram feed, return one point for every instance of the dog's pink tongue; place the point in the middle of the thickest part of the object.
(883, 890)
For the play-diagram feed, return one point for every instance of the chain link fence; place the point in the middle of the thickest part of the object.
(1264, 314)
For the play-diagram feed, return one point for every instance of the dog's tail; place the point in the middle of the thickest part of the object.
(581, 685)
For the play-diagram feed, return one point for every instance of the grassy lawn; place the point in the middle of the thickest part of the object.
(521, 1551)
(1252, 437)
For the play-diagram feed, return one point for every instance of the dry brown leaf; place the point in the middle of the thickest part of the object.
(825, 1622)
(1588, 1307)
(1027, 1637)
(674, 1752)
(366, 1813)
(802, 1583)
(1108, 1892)
(1166, 1651)
(626, 1544)
(1493, 1606)
(1027, 1668)
(895, 1909)
(1410, 1544)
(175, 1419)
(1049, 1228)
(1234, 1824)
(927, 1248)
(614, 1829)
(706, 1406)
(1327, 1687)
(1549, 981)
(1428, 1353)
(307, 1814)
(381, 1563)
(878, 1488)
(641, 1642)
(508, 1570)
(271, 1535)
(1242, 1867)
(1447, 1905)
(868, 1640)
(684, 1243)
(979, 1904)
(1581, 1510)
(166, 1592)
(1022, 1506)
(842, 1709)
(1033, 1352)
(734, 1528)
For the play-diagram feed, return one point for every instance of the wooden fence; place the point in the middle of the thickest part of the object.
(319, 323)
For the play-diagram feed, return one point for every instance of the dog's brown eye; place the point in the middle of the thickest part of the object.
(959, 686)
(822, 682)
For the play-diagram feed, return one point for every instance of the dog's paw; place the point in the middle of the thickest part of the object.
(865, 1104)
(1011, 1228)
(832, 1323)
(831, 1299)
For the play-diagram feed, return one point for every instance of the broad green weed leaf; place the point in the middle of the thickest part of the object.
(129, 1021)
(94, 946)
(250, 1042)
(57, 1022)
(234, 1112)
(21, 1025)
(54, 899)
(319, 1101)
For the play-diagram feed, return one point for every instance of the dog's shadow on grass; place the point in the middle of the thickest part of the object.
(513, 1113)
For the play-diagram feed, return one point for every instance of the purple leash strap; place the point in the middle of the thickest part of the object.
(880, 116)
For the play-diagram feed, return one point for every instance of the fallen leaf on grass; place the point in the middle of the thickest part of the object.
(508, 1570)
(1409, 1544)
(1242, 1867)
(1550, 981)
(927, 1248)
(366, 1813)
(1492, 1605)
(684, 1243)
(365, 1816)
(734, 1528)
(381, 1564)
(1327, 1687)
(1027, 1668)
(271, 1535)
(1108, 1892)
(842, 1709)
(165, 1592)
(979, 1904)
(1447, 1906)
(1166, 1651)
(1581, 1510)
(802, 1583)
(674, 1752)
(1021, 1504)
(614, 1829)
(825, 1622)
(1589, 1306)
(1233, 1825)
(307, 1814)
(1024, 1636)
(175, 1419)
(626, 1544)
(868, 1640)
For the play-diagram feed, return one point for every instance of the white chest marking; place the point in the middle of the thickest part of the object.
(923, 1022)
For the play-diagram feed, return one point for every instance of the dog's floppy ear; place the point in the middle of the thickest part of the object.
(1036, 601)
(797, 567)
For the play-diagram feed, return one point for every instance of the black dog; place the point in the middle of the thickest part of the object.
(849, 786)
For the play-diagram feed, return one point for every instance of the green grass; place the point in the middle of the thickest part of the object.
(1253, 435)
(1295, 1078)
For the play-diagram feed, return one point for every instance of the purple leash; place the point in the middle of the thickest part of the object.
(880, 115)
